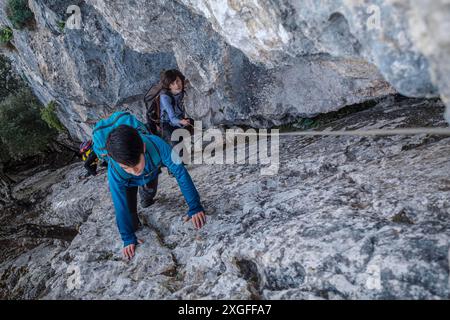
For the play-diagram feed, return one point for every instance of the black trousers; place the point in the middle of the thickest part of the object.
(90, 164)
(146, 192)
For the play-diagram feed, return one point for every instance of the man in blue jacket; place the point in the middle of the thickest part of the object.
(135, 160)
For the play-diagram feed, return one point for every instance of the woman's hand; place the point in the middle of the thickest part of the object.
(185, 122)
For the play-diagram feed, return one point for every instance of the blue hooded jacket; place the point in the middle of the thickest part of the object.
(157, 153)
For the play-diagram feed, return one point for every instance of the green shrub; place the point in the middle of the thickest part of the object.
(6, 35)
(61, 25)
(19, 13)
(48, 114)
(22, 131)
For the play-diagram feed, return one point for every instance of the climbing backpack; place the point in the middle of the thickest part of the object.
(86, 149)
(85, 146)
(153, 109)
(104, 127)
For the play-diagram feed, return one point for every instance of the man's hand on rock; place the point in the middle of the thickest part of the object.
(128, 251)
(198, 220)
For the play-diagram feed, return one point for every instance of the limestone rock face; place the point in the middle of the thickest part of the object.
(258, 63)
(88, 72)
(406, 40)
(344, 218)
(122, 47)
(428, 22)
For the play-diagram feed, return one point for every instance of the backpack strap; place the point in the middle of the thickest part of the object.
(157, 151)
(158, 108)
(117, 171)
(168, 93)
(112, 123)
(107, 126)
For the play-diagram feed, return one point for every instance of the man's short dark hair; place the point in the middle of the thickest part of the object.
(169, 76)
(125, 145)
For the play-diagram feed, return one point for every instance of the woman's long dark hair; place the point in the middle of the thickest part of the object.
(169, 76)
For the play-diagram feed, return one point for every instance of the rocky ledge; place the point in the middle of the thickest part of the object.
(344, 218)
